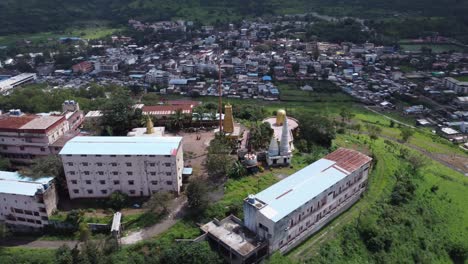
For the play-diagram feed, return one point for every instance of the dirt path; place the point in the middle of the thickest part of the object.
(389, 118)
(177, 211)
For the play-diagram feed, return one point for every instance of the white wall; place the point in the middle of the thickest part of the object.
(100, 178)
(314, 212)
(39, 211)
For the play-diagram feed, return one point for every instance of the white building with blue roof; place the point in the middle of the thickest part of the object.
(138, 166)
(291, 210)
(26, 202)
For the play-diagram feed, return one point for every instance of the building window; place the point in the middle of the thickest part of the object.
(76, 191)
(85, 164)
(98, 155)
(100, 172)
(4, 147)
(104, 191)
(152, 164)
(127, 156)
(169, 182)
(167, 156)
(113, 156)
(36, 213)
(129, 173)
(99, 164)
(116, 182)
(102, 182)
(90, 191)
(86, 172)
(154, 182)
(168, 173)
(167, 164)
(129, 164)
(42, 149)
(115, 173)
(113, 164)
(88, 182)
(83, 155)
(131, 182)
(21, 148)
(153, 173)
(71, 173)
(74, 181)
(21, 219)
(38, 222)
(132, 191)
(152, 156)
(70, 163)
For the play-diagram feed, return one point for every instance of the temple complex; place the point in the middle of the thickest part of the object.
(281, 144)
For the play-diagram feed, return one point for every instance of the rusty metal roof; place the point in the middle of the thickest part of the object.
(348, 159)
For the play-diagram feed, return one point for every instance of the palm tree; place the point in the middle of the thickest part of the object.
(178, 119)
(237, 170)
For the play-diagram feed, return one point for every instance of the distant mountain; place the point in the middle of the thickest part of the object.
(45, 15)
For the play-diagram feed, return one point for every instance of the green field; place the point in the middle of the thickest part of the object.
(462, 78)
(436, 48)
(17, 255)
(87, 33)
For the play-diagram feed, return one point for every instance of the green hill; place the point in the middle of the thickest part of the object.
(396, 18)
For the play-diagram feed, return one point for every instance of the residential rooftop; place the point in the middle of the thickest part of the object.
(233, 234)
(284, 197)
(15, 183)
(122, 146)
(166, 109)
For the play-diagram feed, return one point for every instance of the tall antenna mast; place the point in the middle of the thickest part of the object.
(220, 95)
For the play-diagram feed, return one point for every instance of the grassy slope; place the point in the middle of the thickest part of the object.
(17, 255)
(91, 32)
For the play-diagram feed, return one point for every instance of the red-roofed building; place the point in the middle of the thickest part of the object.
(166, 111)
(83, 67)
(348, 159)
(24, 137)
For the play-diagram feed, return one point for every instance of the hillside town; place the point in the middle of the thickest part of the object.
(113, 168)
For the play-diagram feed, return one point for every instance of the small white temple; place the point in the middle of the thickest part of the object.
(281, 144)
(148, 131)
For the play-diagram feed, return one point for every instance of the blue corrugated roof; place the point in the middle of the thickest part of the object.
(15, 183)
(121, 146)
(178, 81)
(289, 194)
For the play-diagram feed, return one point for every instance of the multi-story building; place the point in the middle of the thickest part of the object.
(155, 76)
(456, 85)
(25, 202)
(10, 83)
(137, 166)
(288, 212)
(24, 137)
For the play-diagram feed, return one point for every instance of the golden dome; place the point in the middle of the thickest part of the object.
(280, 117)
